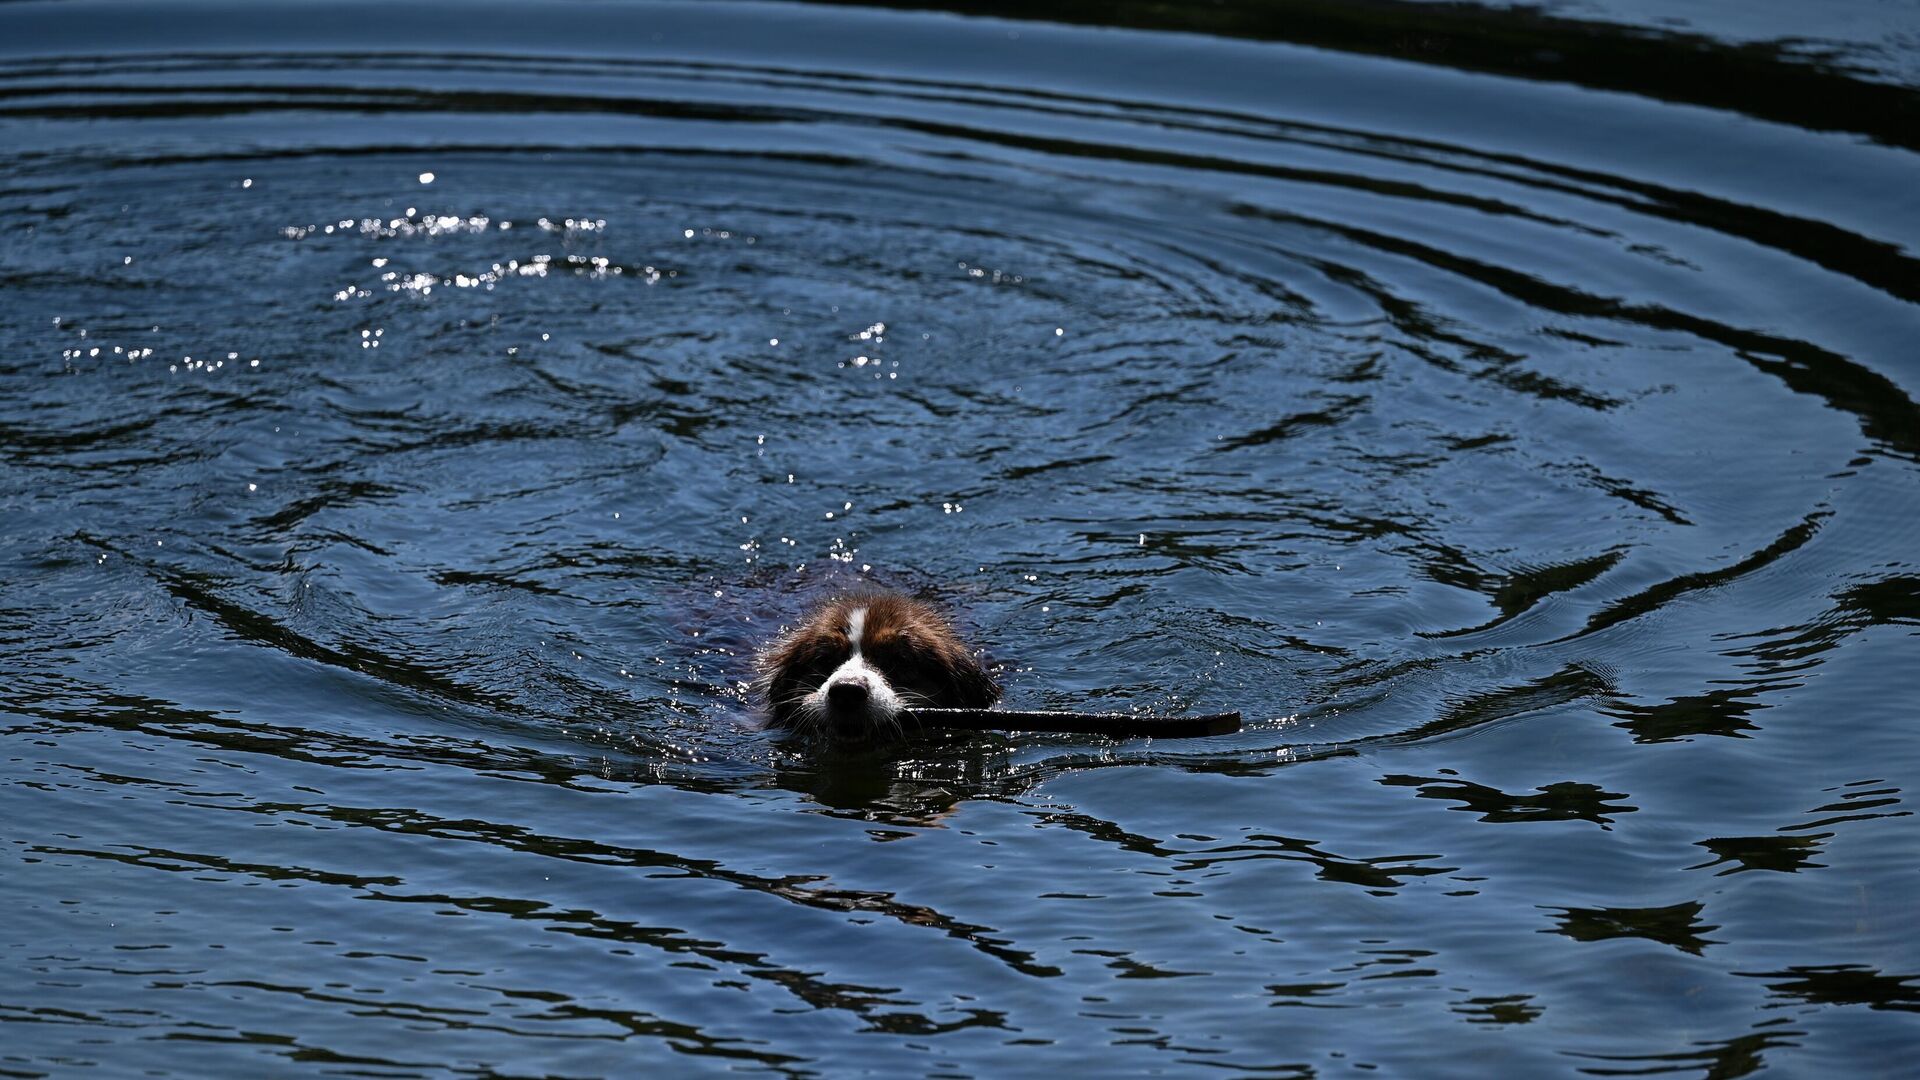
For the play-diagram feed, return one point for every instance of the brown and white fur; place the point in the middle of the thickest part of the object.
(855, 663)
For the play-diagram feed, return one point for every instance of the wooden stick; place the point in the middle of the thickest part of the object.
(1166, 727)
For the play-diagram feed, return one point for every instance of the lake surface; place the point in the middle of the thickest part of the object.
(414, 416)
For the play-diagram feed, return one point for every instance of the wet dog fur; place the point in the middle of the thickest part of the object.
(850, 668)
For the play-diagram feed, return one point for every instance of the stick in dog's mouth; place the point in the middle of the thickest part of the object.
(1094, 723)
(878, 664)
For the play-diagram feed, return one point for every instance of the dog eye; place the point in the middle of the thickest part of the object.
(826, 654)
(899, 657)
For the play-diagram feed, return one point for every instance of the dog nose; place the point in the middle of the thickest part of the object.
(849, 693)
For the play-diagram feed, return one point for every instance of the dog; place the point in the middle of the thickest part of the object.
(850, 669)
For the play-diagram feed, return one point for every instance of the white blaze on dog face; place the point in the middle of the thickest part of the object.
(857, 690)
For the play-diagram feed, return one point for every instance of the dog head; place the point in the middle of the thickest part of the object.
(855, 663)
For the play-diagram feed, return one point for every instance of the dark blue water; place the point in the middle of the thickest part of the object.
(413, 416)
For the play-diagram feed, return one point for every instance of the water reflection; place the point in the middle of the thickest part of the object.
(1740, 1055)
(1678, 925)
(1505, 1009)
(1564, 801)
(1844, 984)
(1784, 854)
(1722, 712)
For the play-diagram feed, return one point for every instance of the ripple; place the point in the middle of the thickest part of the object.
(408, 448)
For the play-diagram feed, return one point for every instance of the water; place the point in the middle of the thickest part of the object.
(1532, 457)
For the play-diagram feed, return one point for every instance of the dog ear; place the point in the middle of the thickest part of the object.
(973, 688)
(778, 678)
